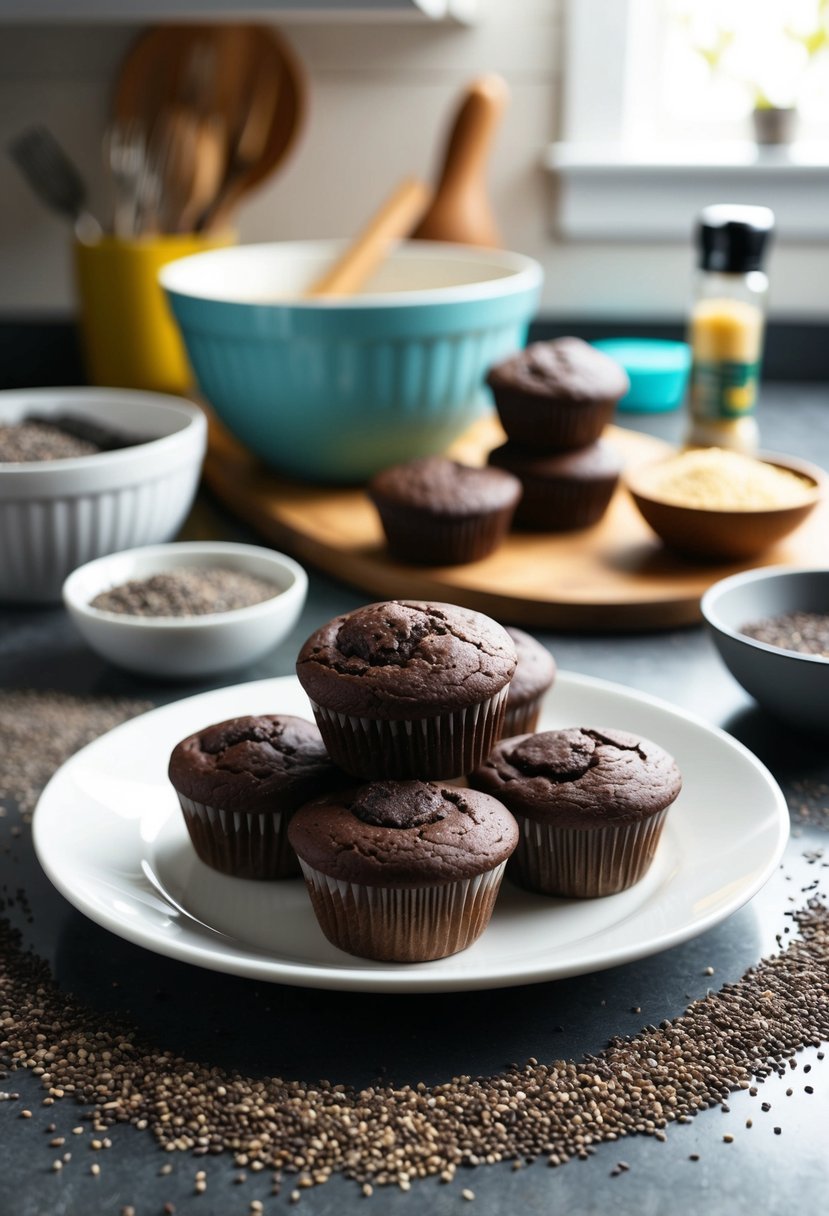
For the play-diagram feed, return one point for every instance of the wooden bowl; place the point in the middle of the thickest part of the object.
(730, 535)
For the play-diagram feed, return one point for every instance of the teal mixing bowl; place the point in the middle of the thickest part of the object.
(333, 390)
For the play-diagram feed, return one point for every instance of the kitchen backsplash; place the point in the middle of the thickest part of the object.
(380, 98)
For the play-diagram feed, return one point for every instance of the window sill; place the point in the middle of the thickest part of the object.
(610, 193)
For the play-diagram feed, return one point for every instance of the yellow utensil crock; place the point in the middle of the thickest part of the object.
(129, 336)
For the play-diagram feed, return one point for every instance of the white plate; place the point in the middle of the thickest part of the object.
(110, 836)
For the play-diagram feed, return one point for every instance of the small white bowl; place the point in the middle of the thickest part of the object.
(57, 514)
(194, 646)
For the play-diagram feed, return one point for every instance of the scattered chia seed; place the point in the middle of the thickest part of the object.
(797, 632)
(381, 1135)
(189, 591)
(42, 729)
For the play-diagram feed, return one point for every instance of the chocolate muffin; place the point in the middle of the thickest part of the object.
(406, 688)
(437, 512)
(238, 784)
(590, 803)
(534, 675)
(557, 396)
(403, 871)
(564, 491)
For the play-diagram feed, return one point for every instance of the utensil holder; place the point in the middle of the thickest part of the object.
(129, 336)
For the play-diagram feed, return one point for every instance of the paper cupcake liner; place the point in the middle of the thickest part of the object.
(246, 844)
(403, 924)
(522, 719)
(587, 862)
(429, 749)
(431, 540)
(558, 505)
(547, 425)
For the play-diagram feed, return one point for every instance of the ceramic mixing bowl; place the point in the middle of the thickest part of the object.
(57, 514)
(336, 389)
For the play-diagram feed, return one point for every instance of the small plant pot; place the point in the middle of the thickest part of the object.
(774, 125)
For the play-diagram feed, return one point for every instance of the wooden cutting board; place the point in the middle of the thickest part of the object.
(614, 576)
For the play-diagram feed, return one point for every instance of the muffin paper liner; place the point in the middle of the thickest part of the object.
(587, 862)
(403, 924)
(522, 719)
(548, 425)
(246, 844)
(443, 541)
(558, 505)
(429, 749)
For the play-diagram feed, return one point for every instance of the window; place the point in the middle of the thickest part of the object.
(658, 97)
(697, 68)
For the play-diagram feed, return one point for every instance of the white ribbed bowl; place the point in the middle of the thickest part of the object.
(55, 515)
(190, 647)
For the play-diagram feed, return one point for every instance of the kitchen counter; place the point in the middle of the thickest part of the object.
(353, 1038)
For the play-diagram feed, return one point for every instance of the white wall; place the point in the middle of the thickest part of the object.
(380, 96)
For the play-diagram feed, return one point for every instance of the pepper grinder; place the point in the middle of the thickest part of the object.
(460, 210)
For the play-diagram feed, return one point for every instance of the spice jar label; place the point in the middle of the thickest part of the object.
(724, 389)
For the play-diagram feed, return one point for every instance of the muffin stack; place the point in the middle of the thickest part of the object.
(406, 695)
(401, 863)
(554, 400)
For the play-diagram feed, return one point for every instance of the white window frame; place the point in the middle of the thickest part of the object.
(610, 189)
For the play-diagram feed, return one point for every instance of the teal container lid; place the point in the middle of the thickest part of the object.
(657, 369)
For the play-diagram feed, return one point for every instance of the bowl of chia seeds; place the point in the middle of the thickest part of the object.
(85, 472)
(186, 610)
(771, 628)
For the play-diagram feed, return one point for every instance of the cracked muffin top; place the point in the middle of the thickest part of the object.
(399, 833)
(565, 368)
(405, 659)
(580, 777)
(270, 762)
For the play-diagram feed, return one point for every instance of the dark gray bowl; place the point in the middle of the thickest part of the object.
(793, 687)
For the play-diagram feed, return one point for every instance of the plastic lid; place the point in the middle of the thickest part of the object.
(657, 369)
(647, 355)
(732, 238)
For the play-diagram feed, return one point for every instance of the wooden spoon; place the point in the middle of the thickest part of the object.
(157, 73)
(460, 210)
(393, 221)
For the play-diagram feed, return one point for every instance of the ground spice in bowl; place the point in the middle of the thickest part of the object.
(718, 480)
(798, 632)
(186, 591)
(60, 437)
(27, 442)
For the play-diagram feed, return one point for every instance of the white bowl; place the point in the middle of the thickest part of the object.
(193, 646)
(57, 514)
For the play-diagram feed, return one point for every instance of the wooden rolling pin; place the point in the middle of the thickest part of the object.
(392, 222)
(460, 210)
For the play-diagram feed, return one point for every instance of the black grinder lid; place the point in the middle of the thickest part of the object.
(732, 238)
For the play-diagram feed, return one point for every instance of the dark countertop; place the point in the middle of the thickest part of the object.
(352, 1038)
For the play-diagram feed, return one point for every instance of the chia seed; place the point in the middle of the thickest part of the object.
(385, 1135)
(189, 591)
(28, 442)
(797, 632)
